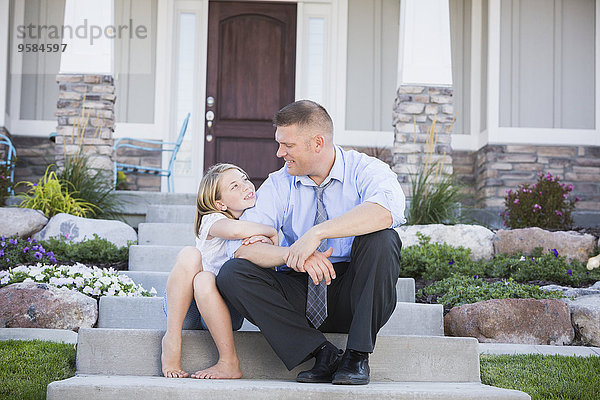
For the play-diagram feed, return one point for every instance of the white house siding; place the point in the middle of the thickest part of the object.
(372, 66)
(547, 64)
(39, 90)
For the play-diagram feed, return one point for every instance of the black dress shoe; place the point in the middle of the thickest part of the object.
(353, 369)
(327, 359)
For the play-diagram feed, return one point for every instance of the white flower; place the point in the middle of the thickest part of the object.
(39, 277)
(4, 280)
(28, 280)
(79, 281)
(87, 290)
(522, 258)
(153, 291)
(96, 292)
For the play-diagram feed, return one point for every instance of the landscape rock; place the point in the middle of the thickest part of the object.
(22, 222)
(77, 229)
(573, 292)
(526, 321)
(39, 305)
(474, 237)
(585, 315)
(573, 245)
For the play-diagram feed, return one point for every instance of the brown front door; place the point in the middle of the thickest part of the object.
(251, 73)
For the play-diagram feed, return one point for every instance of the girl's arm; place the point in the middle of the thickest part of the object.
(232, 229)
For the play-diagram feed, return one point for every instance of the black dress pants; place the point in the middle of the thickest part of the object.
(359, 301)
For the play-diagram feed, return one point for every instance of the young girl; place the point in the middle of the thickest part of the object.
(224, 193)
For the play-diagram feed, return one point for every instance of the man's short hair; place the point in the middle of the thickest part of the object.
(307, 114)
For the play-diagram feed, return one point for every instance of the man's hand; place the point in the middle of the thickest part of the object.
(302, 249)
(318, 267)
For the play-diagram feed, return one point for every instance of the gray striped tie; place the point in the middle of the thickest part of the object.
(316, 297)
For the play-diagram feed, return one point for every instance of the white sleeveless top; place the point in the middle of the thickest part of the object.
(214, 251)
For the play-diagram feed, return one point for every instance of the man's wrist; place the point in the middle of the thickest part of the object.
(318, 232)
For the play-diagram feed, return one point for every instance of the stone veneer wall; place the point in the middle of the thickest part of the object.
(415, 110)
(86, 119)
(498, 168)
(34, 154)
(147, 158)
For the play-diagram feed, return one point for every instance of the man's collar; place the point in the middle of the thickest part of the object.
(336, 172)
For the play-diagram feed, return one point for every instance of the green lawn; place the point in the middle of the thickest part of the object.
(26, 368)
(544, 377)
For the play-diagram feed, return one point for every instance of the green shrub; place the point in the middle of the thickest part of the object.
(50, 196)
(88, 251)
(550, 266)
(434, 261)
(16, 251)
(458, 290)
(88, 185)
(435, 197)
(545, 204)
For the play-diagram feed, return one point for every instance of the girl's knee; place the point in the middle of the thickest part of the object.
(189, 259)
(204, 284)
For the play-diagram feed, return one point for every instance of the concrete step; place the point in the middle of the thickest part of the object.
(147, 313)
(158, 388)
(172, 213)
(405, 287)
(395, 358)
(166, 234)
(152, 257)
(134, 205)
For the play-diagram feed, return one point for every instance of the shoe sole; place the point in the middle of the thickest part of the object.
(312, 380)
(350, 381)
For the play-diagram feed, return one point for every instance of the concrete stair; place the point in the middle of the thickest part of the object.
(125, 364)
(147, 313)
(121, 358)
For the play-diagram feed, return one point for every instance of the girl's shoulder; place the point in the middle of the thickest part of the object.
(211, 218)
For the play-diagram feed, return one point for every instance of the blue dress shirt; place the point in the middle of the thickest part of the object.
(288, 203)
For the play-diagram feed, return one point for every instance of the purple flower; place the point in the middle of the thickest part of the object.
(536, 207)
(13, 241)
(25, 249)
(475, 276)
(53, 260)
(565, 196)
(570, 273)
(8, 260)
(38, 255)
(66, 235)
(451, 262)
(29, 239)
(1, 253)
(558, 213)
(3, 243)
(516, 201)
(50, 254)
(570, 187)
(555, 253)
(577, 198)
(41, 249)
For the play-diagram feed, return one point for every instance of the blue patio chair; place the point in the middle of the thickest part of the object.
(172, 147)
(9, 160)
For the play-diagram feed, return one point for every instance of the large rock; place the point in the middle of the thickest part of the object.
(22, 222)
(573, 292)
(77, 229)
(527, 321)
(474, 237)
(39, 305)
(585, 315)
(573, 245)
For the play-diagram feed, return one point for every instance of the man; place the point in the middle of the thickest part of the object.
(335, 209)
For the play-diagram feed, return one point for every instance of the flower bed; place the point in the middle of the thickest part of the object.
(92, 281)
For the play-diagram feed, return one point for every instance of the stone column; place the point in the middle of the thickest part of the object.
(86, 99)
(86, 119)
(423, 117)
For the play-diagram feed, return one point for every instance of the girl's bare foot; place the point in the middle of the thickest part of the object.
(170, 357)
(221, 370)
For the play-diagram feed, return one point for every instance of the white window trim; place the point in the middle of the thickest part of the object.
(4, 22)
(495, 134)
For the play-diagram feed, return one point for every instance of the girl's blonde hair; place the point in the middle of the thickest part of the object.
(209, 193)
